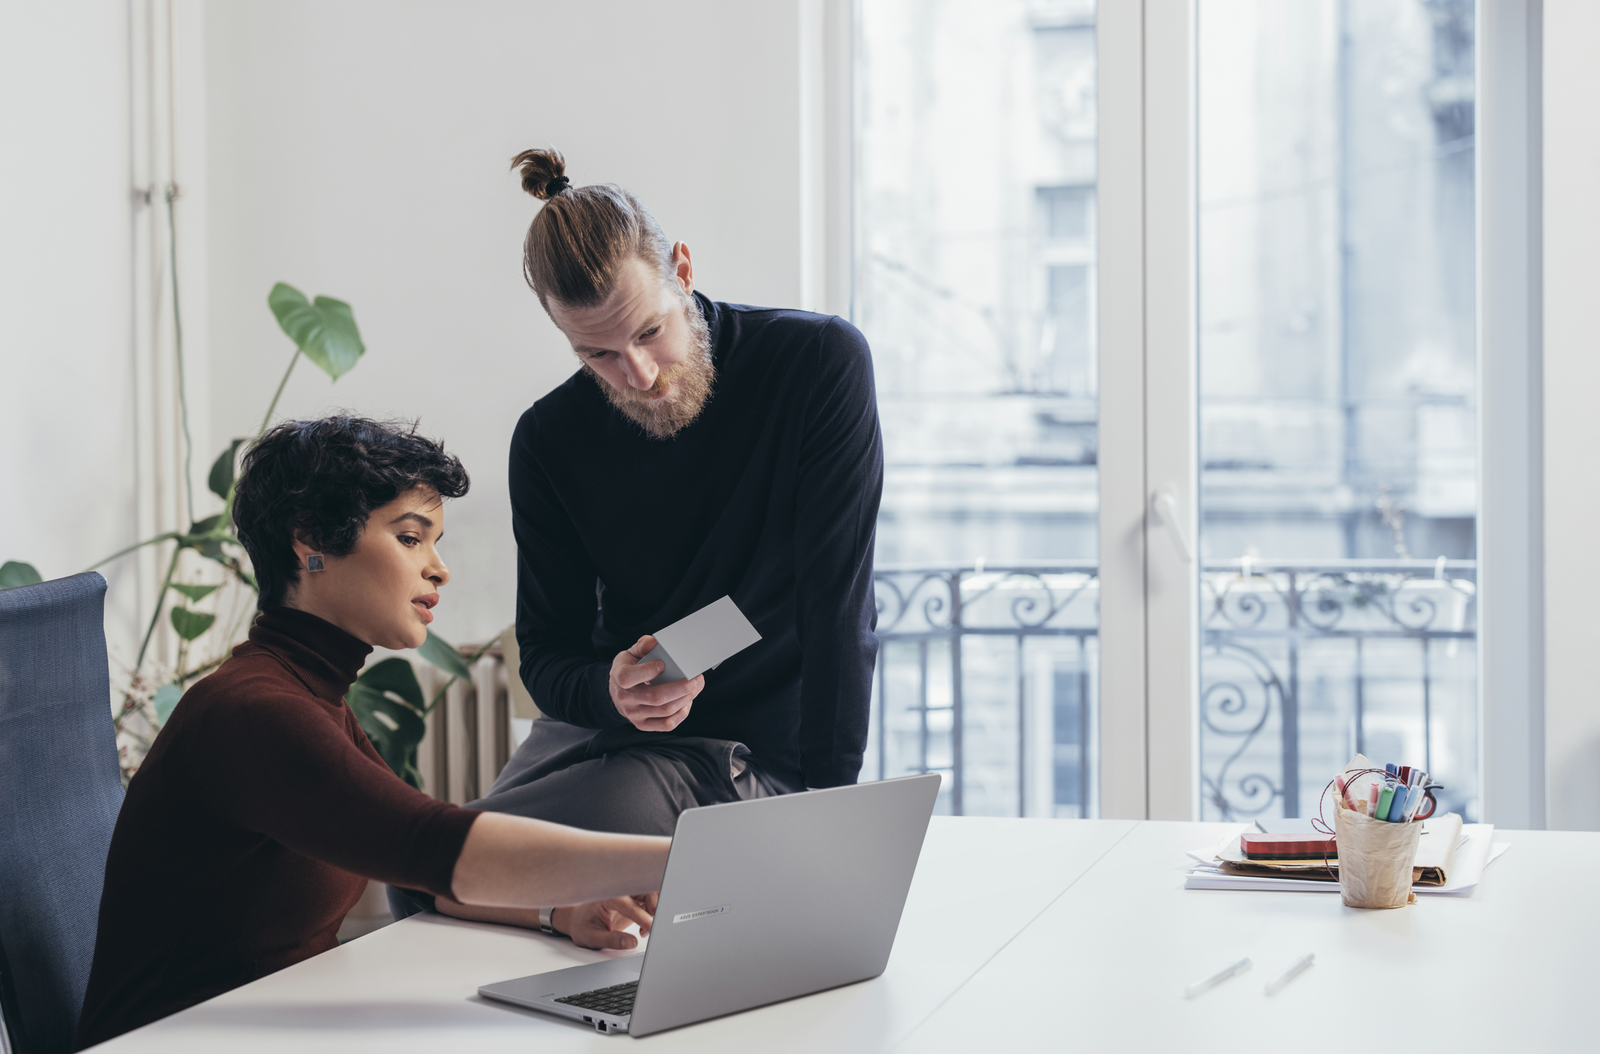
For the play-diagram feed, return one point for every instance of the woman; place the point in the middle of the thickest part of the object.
(261, 811)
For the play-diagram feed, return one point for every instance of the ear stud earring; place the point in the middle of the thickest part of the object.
(314, 562)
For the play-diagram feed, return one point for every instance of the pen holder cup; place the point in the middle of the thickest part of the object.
(1375, 859)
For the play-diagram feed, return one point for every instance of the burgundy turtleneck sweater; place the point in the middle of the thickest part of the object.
(251, 830)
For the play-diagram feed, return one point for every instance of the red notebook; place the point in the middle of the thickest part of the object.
(1257, 846)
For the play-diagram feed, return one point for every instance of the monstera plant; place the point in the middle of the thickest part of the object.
(387, 698)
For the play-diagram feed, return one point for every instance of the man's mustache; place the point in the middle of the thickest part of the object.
(664, 378)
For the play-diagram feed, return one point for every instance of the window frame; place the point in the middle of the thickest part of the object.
(1146, 305)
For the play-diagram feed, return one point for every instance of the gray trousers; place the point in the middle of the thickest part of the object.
(623, 780)
(620, 780)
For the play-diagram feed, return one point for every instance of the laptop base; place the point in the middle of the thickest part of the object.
(543, 991)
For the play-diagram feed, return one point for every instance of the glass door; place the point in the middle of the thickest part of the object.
(975, 282)
(1337, 397)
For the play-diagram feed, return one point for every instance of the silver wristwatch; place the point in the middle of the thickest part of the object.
(545, 926)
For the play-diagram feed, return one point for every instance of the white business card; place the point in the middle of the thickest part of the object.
(701, 641)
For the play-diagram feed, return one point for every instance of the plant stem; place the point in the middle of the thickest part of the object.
(438, 696)
(177, 338)
(184, 678)
(169, 536)
(233, 631)
(267, 418)
(161, 599)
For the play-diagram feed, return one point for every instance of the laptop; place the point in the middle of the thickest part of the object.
(762, 901)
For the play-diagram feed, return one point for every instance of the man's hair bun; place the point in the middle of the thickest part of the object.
(543, 172)
(581, 236)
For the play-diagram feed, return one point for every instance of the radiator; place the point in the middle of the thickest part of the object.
(470, 734)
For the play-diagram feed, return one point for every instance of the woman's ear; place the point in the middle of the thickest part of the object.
(302, 547)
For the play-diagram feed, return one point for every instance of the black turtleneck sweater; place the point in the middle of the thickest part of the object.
(251, 829)
(770, 497)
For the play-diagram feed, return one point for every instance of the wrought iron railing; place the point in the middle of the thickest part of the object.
(946, 633)
(1379, 633)
(990, 674)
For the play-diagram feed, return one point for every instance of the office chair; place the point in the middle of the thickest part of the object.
(61, 789)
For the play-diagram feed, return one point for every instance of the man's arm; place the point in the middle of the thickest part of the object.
(840, 484)
(556, 603)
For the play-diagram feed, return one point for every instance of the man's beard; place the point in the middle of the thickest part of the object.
(692, 379)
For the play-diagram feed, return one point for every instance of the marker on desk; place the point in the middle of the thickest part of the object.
(1385, 799)
(1217, 978)
(1276, 984)
(1372, 799)
(1415, 795)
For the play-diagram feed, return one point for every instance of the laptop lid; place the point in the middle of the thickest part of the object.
(775, 898)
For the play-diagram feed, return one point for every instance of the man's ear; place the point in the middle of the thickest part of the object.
(683, 267)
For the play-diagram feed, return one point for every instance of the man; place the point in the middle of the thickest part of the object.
(702, 450)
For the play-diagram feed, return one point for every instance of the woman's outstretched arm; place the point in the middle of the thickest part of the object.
(513, 862)
(602, 924)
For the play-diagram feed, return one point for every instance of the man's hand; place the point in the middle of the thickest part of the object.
(602, 924)
(650, 707)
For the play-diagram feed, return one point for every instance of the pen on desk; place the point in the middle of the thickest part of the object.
(1372, 799)
(1415, 795)
(1217, 978)
(1276, 984)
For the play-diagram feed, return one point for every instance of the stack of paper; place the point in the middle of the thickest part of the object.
(1450, 865)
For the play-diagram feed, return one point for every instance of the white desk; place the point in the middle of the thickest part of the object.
(413, 986)
(1017, 934)
(1512, 968)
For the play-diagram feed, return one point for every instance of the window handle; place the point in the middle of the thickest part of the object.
(1164, 506)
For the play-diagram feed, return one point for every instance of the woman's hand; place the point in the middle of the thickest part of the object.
(650, 707)
(603, 923)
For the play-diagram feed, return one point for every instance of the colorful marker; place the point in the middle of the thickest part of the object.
(1344, 793)
(1385, 799)
(1415, 795)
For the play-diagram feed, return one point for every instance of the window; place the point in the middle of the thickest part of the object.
(975, 282)
(1338, 399)
(1174, 312)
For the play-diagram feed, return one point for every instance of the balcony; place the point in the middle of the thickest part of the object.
(989, 675)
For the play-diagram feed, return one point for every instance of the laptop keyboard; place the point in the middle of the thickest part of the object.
(618, 999)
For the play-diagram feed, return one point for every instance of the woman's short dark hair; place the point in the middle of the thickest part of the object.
(323, 479)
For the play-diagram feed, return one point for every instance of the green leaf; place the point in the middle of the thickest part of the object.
(195, 592)
(15, 573)
(443, 654)
(190, 624)
(167, 697)
(324, 329)
(387, 701)
(221, 477)
(198, 540)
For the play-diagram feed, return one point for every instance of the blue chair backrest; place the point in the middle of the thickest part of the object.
(60, 790)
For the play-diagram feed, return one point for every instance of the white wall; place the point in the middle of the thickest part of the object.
(360, 149)
(1572, 427)
(67, 410)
